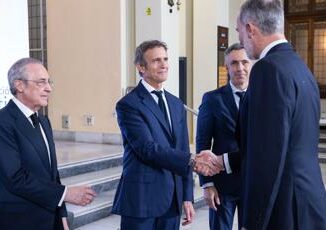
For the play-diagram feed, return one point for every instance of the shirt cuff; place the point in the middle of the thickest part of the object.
(206, 185)
(63, 197)
(226, 163)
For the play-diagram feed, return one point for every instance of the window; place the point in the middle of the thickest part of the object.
(37, 30)
(306, 30)
(37, 34)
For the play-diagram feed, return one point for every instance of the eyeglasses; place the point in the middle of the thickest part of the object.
(41, 82)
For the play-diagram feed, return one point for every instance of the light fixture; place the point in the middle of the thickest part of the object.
(178, 4)
(171, 4)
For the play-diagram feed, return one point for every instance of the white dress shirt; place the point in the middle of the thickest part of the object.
(150, 88)
(270, 46)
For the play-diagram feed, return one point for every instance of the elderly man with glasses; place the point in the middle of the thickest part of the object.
(31, 195)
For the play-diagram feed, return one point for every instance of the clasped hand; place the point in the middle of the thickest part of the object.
(208, 164)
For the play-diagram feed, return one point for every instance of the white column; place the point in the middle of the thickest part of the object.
(208, 15)
(155, 21)
(14, 42)
(123, 35)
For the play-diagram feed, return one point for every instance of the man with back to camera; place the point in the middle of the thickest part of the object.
(31, 195)
(283, 187)
(217, 120)
(157, 167)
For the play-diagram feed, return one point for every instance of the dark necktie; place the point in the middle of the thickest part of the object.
(35, 120)
(161, 104)
(241, 96)
(238, 127)
(36, 124)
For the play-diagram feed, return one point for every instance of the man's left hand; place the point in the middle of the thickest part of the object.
(189, 212)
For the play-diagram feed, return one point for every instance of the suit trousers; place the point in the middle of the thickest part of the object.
(222, 219)
(169, 221)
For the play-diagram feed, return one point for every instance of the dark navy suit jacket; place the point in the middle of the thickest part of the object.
(30, 188)
(155, 162)
(216, 124)
(283, 186)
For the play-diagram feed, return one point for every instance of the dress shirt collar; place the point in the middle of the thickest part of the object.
(270, 46)
(25, 110)
(235, 89)
(150, 88)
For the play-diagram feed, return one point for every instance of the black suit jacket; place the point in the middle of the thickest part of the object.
(283, 186)
(155, 161)
(30, 188)
(216, 125)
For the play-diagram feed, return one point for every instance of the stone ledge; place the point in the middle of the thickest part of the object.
(88, 137)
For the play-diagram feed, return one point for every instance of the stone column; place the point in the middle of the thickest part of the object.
(155, 19)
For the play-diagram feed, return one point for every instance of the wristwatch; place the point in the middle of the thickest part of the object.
(192, 161)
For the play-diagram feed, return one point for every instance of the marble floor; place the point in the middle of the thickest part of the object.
(71, 152)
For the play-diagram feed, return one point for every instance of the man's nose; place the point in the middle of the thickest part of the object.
(164, 63)
(241, 66)
(48, 87)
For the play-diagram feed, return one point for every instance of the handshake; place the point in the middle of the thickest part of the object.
(207, 163)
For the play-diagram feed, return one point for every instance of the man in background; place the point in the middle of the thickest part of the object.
(31, 195)
(216, 123)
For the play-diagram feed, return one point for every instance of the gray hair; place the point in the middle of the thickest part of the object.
(235, 46)
(18, 72)
(267, 15)
(143, 47)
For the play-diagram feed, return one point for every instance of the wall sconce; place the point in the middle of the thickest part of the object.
(171, 4)
(178, 4)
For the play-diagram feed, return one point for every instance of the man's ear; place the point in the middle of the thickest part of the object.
(226, 67)
(140, 68)
(250, 28)
(19, 86)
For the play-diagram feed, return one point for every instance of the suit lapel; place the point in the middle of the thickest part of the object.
(229, 100)
(150, 103)
(49, 137)
(29, 132)
(173, 114)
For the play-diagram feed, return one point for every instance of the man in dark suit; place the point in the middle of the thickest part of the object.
(216, 123)
(31, 195)
(283, 186)
(157, 167)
